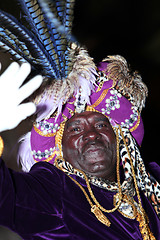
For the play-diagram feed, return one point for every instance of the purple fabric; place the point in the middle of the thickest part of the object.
(47, 204)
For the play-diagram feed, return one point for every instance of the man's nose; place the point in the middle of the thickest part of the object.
(91, 134)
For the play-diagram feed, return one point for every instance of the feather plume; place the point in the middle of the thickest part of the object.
(41, 29)
(21, 40)
(60, 22)
(128, 83)
(44, 44)
(82, 76)
(15, 56)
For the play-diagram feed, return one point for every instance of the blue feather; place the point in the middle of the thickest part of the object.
(38, 25)
(15, 56)
(45, 44)
(57, 25)
(27, 39)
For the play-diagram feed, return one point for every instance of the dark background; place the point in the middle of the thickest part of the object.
(108, 27)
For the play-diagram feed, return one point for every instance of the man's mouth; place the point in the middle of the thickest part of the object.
(93, 147)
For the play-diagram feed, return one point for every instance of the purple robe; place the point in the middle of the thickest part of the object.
(46, 204)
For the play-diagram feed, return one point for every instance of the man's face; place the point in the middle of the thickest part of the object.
(89, 144)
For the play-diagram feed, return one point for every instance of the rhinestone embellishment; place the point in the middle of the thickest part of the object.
(45, 154)
(47, 127)
(112, 103)
(133, 118)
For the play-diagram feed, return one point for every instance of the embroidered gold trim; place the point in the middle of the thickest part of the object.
(100, 86)
(100, 99)
(58, 138)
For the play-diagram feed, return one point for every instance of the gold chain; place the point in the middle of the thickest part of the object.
(118, 180)
(96, 209)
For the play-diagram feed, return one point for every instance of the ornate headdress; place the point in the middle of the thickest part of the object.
(73, 83)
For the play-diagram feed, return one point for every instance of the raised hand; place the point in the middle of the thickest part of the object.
(12, 94)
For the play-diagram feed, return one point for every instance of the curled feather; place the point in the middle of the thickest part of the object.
(128, 83)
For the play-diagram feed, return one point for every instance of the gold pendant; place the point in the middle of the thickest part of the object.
(100, 216)
(127, 207)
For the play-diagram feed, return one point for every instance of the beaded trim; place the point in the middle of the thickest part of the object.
(80, 102)
(46, 154)
(112, 103)
(133, 118)
(46, 129)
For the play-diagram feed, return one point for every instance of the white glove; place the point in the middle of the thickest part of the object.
(12, 94)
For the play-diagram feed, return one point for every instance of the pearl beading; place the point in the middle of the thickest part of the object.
(112, 103)
(39, 155)
(46, 127)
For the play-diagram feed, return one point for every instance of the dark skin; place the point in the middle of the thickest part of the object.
(89, 144)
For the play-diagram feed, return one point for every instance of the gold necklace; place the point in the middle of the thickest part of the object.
(118, 180)
(97, 208)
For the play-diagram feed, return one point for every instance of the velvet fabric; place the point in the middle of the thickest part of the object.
(46, 204)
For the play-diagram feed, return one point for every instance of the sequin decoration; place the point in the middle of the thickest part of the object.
(47, 127)
(133, 118)
(39, 155)
(112, 103)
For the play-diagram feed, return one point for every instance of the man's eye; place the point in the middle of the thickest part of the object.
(101, 125)
(75, 129)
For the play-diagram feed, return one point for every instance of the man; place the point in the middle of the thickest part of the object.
(88, 128)
(53, 202)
